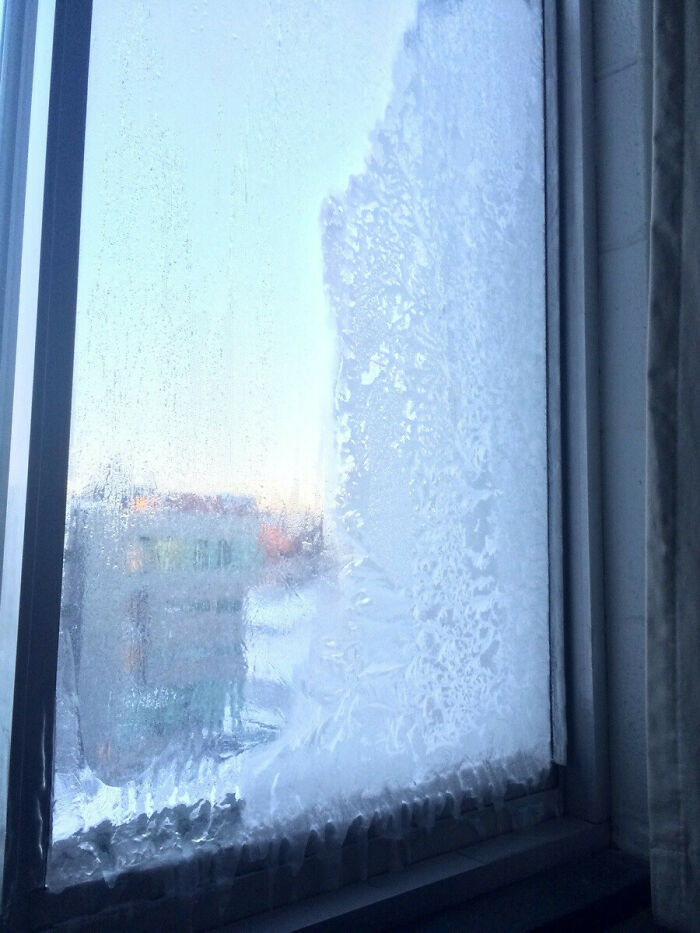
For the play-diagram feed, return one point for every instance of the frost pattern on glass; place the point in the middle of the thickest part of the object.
(306, 544)
(434, 266)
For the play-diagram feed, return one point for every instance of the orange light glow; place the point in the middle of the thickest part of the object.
(143, 503)
(276, 541)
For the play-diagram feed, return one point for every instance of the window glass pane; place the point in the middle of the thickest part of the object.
(306, 539)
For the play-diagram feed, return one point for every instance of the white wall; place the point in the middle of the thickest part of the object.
(622, 56)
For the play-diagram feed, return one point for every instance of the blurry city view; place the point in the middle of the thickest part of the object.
(177, 603)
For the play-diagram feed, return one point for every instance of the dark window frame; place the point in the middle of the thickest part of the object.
(578, 791)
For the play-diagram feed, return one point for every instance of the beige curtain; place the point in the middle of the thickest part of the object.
(673, 474)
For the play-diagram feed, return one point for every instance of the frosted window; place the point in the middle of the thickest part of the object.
(306, 559)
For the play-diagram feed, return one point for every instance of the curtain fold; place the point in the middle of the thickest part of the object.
(673, 471)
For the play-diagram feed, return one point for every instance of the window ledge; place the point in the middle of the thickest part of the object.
(390, 900)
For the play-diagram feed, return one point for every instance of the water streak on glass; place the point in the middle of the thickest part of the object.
(306, 539)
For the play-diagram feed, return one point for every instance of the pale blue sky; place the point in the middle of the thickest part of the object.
(204, 348)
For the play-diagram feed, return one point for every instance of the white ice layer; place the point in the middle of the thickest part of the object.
(304, 659)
